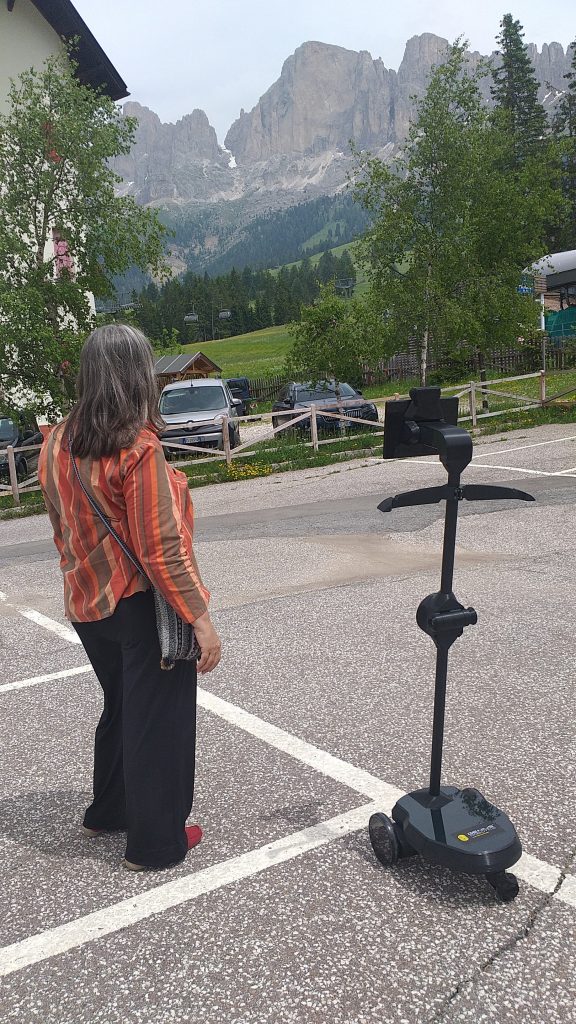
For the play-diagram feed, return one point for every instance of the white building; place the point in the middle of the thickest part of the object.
(32, 30)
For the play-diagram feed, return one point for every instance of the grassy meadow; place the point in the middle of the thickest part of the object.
(258, 354)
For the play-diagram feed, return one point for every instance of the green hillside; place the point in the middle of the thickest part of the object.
(259, 354)
(218, 238)
(361, 279)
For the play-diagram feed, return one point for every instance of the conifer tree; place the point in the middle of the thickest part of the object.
(565, 116)
(515, 88)
(564, 126)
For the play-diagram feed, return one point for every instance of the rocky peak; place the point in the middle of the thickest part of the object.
(420, 53)
(295, 141)
(194, 135)
(166, 159)
(325, 95)
(550, 65)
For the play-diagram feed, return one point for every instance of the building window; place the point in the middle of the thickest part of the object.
(62, 259)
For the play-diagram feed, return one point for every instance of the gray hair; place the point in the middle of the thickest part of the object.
(117, 391)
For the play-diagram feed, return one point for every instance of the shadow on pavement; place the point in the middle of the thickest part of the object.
(50, 822)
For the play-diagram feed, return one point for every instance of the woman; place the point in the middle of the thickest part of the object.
(145, 740)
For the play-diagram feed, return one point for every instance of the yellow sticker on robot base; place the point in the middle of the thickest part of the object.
(480, 832)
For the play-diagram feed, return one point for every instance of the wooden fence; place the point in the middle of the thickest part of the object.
(477, 400)
(480, 400)
(266, 389)
(526, 358)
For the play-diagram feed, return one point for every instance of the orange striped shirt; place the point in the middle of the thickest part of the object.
(149, 505)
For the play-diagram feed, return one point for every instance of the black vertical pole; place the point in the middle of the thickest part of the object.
(449, 548)
(438, 723)
(442, 642)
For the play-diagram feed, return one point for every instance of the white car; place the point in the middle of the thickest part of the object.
(193, 412)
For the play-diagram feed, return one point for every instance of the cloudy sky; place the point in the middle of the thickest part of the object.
(221, 55)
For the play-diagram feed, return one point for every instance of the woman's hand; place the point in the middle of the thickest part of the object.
(209, 643)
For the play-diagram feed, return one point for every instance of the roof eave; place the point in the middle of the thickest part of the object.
(95, 69)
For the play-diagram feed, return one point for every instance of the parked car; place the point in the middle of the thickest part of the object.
(193, 409)
(240, 388)
(324, 396)
(19, 437)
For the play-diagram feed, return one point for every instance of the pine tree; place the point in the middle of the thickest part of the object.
(564, 126)
(565, 116)
(515, 88)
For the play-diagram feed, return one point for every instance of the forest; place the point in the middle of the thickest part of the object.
(237, 302)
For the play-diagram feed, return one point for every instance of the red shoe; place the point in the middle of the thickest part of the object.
(194, 835)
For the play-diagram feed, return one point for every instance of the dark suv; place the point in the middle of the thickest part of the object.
(12, 434)
(240, 388)
(324, 396)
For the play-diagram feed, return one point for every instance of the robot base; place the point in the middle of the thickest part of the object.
(458, 829)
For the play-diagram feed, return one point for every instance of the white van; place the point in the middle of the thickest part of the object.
(193, 410)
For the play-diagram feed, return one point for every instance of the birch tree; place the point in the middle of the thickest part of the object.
(455, 222)
(64, 233)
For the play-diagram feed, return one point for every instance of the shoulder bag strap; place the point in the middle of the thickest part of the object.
(101, 515)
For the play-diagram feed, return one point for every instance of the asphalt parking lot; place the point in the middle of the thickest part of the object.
(319, 713)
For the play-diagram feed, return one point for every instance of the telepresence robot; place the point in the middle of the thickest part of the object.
(457, 828)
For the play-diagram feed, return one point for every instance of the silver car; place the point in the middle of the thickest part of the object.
(193, 411)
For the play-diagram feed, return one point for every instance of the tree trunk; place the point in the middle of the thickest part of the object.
(424, 358)
(342, 424)
(482, 374)
(426, 337)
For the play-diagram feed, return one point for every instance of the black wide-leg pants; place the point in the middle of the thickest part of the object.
(144, 752)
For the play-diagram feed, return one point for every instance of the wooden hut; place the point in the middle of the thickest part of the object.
(185, 367)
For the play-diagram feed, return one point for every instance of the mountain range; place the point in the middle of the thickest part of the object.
(292, 147)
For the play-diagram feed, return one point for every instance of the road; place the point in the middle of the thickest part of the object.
(319, 713)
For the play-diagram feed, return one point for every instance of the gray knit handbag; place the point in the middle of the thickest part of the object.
(177, 638)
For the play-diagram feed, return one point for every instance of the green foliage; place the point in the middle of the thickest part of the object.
(256, 299)
(564, 127)
(332, 340)
(270, 240)
(455, 223)
(515, 89)
(55, 142)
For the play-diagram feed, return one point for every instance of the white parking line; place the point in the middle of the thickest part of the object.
(434, 461)
(64, 632)
(514, 469)
(341, 771)
(511, 469)
(21, 684)
(567, 891)
(524, 447)
(128, 912)
(53, 941)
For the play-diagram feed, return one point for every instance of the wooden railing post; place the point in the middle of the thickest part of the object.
(314, 427)
(542, 386)
(13, 474)
(226, 440)
(473, 403)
